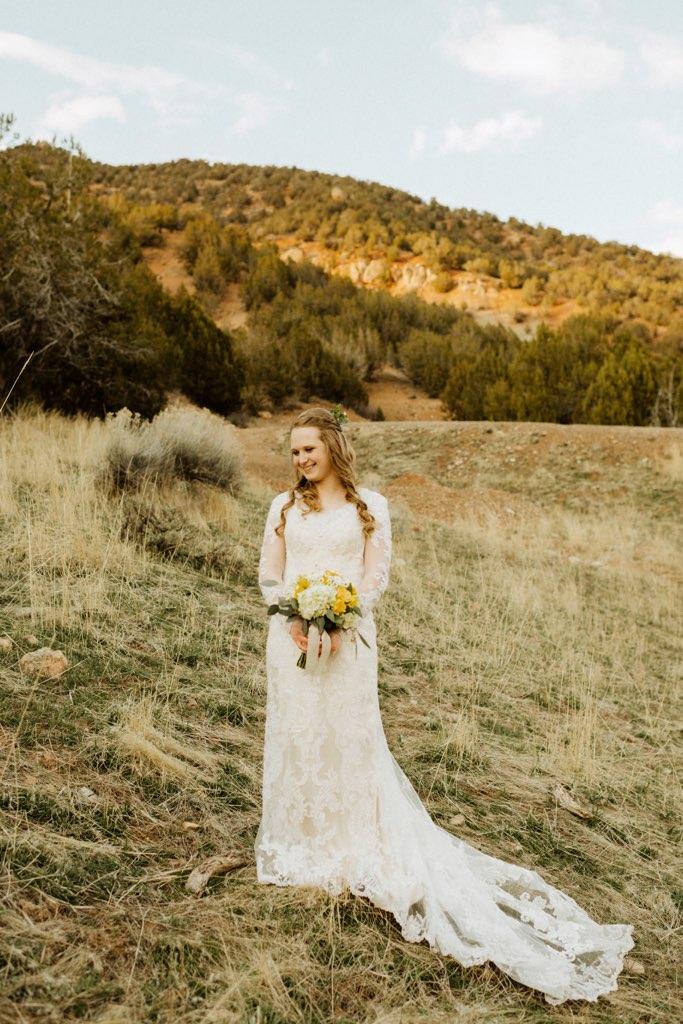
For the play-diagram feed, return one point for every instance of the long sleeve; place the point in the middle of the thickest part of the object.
(272, 559)
(377, 556)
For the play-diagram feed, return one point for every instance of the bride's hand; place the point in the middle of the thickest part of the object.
(335, 638)
(298, 636)
(301, 640)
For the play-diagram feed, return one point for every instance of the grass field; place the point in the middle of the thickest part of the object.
(529, 639)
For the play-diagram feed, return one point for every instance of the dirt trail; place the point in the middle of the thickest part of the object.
(399, 399)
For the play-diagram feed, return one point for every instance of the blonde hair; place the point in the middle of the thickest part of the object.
(343, 459)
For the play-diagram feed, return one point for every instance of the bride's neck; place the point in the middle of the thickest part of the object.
(331, 489)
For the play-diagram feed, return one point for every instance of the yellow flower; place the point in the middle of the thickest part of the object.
(344, 599)
(301, 584)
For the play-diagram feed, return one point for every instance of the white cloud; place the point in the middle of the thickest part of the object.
(533, 54)
(162, 90)
(667, 211)
(667, 215)
(70, 115)
(418, 142)
(255, 112)
(663, 58)
(247, 61)
(658, 132)
(510, 128)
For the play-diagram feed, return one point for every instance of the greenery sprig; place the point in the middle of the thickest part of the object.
(339, 415)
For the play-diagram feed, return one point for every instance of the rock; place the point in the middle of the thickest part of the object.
(374, 270)
(86, 795)
(632, 966)
(337, 193)
(5, 644)
(32, 640)
(356, 269)
(44, 663)
(293, 255)
(414, 276)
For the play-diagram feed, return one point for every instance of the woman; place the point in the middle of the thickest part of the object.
(338, 811)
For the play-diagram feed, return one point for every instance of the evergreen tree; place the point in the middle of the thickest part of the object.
(625, 388)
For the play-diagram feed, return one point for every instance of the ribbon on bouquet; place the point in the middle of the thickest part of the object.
(315, 663)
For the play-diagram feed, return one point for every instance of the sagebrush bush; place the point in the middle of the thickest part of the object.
(178, 444)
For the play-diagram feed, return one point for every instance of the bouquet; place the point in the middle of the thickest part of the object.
(325, 603)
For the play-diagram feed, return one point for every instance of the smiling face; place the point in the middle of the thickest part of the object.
(310, 456)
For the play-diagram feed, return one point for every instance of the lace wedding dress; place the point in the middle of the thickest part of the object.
(338, 810)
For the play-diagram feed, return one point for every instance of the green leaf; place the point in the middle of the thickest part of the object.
(364, 641)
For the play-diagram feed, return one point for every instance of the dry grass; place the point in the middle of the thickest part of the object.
(552, 660)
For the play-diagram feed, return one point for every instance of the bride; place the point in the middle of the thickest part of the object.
(338, 811)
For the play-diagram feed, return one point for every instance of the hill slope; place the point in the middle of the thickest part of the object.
(507, 272)
(527, 642)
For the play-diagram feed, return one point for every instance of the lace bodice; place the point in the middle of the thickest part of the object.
(329, 539)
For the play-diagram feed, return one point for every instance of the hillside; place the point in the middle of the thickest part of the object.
(528, 651)
(128, 285)
(507, 272)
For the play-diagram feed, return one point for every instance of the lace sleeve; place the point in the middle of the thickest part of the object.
(272, 559)
(377, 556)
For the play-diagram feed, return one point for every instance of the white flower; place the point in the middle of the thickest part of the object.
(315, 600)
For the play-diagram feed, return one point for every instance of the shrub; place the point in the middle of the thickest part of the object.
(266, 278)
(532, 290)
(443, 282)
(427, 359)
(178, 444)
(625, 388)
(210, 373)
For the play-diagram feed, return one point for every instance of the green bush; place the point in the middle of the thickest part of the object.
(624, 389)
(427, 359)
(443, 282)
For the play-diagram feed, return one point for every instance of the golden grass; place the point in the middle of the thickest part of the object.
(514, 657)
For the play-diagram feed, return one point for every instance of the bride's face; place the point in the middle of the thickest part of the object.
(309, 454)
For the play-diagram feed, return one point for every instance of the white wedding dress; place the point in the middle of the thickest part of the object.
(338, 810)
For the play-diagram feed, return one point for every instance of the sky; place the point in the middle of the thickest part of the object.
(563, 114)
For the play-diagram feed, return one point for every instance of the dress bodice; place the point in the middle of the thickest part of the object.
(328, 539)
